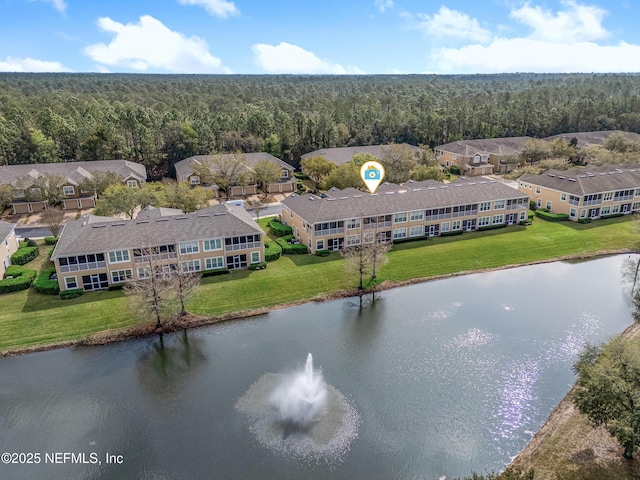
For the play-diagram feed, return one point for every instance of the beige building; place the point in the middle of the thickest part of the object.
(483, 156)
(9, 244)
(340, 155)
(249, 186)
(95, 252)
(396, 212)
(26, 181)
(591, 192)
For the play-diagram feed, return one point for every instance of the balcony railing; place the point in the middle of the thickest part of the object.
(440, 216)
(592, 202)
(82, 266)
(465, 213)
(622, 199)
(155, 257)
(574, 202)
(242, 246)
(517, 206)
(377, 225)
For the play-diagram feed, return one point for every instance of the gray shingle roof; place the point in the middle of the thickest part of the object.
(402, 199)
(585, 181)
(185, 167)
(5, 230)
(91, 234)
(73, 171)
(340, 155)
(593, 138)
(496, 146)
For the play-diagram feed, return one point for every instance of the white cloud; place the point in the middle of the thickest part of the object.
(150, 45)
(448, 23)
(383, 4)
(31, 65)
(576, 23)
(288, 58)
(219, 8)
(530, 55)
(59, 5)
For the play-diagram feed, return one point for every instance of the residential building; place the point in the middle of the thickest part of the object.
(95, 252)
(591, 192)
(340, 155)
(416, 209)
(9, 244)
(593, 139)
(28, 195)
(483, 156)
(285, 184)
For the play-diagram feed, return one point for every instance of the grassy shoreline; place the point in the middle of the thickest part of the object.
(30, 321)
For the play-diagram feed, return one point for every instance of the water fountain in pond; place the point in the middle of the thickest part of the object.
(300, 414)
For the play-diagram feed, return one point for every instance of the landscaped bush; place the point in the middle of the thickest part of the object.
(584, 220)
(214, 272)
(612, 215)
(454, 169)
(533, 205)
(69, 294)
(22, 278)
(323, 253)
(51, 251)
(258, 266)
(410, 239)
(279, 229)
(116, 286)
(552, 217)
(491, 227)
(24, 254)
(272, 250)
(30, 243)
(301, 176)
(451, 233)
(44, 283)
(50, 240)
(291, 248)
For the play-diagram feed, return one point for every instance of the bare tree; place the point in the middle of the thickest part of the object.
(52, 218)
(358, 260)
(185, 281)
(378, 254)
(224, 170)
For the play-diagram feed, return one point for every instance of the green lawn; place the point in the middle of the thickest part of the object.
(28, 318)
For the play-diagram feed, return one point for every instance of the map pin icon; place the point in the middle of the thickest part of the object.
(372, 174)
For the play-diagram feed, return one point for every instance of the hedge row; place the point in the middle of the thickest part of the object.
(217, 271)
(50, 240)
(301, 176)
(551, 217)
(491, 227)
(409, 239)
(258, 266)
(451, 233)
(291, 248)
(279, 229)
(612, 215)
(22, 278)
(44, 284)
(69, 294)
(24, 255)
(323, 253)
(584, 220)
(454, 169)
(272, 250)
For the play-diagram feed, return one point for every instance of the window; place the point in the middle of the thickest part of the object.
(497, 219)
(143, 273)
(538, 190)
(353, 240)
(213, 263)
(417, 215)
(583, 213)
(415, 231)
(399, 233)
(607, 197)
(189, 247)
(637, 194)
(195, 180)
(635, 206)
(539, 203)
(320, 244)
(213, 244)
(455, 225)
(353, 223)
(255, 257)
(119, 256)
(483, 221)
(606, 210)
(616, 208)
(132, 184)
(485, 206)
(444, 227)
(523, 216)
(572, 213)
(284, 174)
(549, 205)
(119, 276)
(367, 237)
(563, 197)
(400, 217)
(71, 282)
(498, 205)
(68, 190)
(191, 266)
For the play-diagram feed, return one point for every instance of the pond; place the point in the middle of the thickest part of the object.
(442, 378)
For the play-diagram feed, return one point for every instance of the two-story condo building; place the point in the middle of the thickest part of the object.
(9, 244)
(482, 156)
(95, 252)
(591, 192)
(28, 196)
(340, 155)
(415, 209)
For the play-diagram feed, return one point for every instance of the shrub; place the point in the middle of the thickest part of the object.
(454, 169)
(612, 215)
(530, 215)
(51, 252)
(24, 254)
(301, 176)
(22, 278)
(50, 240)
(552, 217)
(116, 286)
(258, 266)
(533, 205)
(44, 284)
(279, 229)
(410, 239)
(69, 294)
(272, 250)
(291, 248)
(30, 243)
(214, 272)
(323, 253)
(491, 227)
(451, 233)
(584, 220)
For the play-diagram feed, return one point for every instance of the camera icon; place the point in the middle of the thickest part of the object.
(372, 174)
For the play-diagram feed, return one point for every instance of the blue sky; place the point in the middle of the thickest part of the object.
(319, 37)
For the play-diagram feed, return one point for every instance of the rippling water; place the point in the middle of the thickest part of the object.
(442, 378)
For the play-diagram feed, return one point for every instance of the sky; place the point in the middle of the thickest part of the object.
(319, 36)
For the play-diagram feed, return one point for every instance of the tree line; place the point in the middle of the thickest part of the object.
(157, 120)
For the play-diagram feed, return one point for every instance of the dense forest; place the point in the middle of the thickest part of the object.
(160, 119)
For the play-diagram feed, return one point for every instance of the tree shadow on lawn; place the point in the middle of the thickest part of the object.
(597, 223)
(457, 238)
(303, 260)
(37, 302)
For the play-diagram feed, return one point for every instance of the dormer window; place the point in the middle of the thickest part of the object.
(284, 174)
(68, 190)
(195, 180)
(132, 184)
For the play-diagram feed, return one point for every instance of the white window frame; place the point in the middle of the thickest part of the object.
(352, 223)
(456, 225)
(583, 213)
(212, 244)
(563, 197)
(255, 257)
(191, 266)
(484, 206)
(143, 273)
(607, 196)
(68, 190)
(284, 173)
(189, 247)
(444, 227)
(320, 244)
(117, 275)
(368, 237)
(68, 280)
(212, 263)
(417, 215)
(573, 212)
(538, 190)
(616, 208)
(399, 233)
(123, 254)
(400, 217)
(352, 240)
(484, 221)
(416, 231)
(606, 210)
(132, 183)
(194, 179)
(523, 215)
(549, 204)
(539, 203)
(497, 219)
(499, 204)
